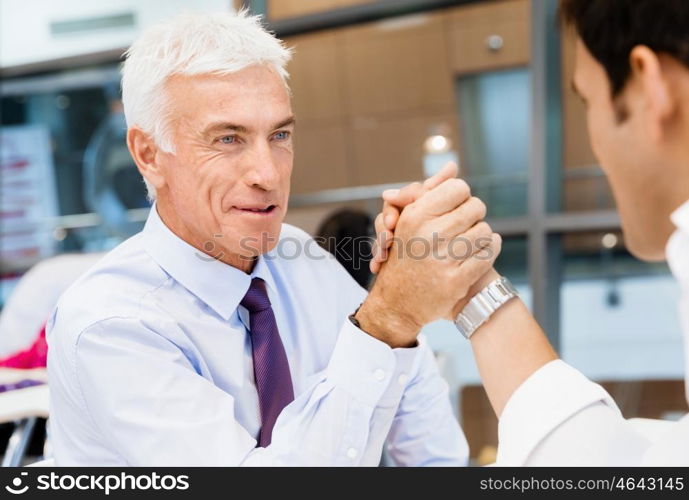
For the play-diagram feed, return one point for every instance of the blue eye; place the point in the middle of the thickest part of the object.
(228, 139)
(280, 136)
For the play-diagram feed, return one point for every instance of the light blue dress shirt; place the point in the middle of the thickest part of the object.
(150, 364)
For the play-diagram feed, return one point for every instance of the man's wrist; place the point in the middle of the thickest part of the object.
(482, 307)
(482, 283)
(485, 280)
(394, 329)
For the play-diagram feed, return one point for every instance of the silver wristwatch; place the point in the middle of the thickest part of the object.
(483, 305)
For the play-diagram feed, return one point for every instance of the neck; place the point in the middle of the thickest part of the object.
(670, 192)
(213, 249)
(676, 186)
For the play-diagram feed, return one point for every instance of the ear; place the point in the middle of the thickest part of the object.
(657, 99)
(146, 155)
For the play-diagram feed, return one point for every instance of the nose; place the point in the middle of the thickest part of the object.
(262, 168)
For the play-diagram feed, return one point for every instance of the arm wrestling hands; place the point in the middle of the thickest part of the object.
(508, 348)
(415, 288)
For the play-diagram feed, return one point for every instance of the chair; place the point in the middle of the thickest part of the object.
(24, 407)
(34, 297)
(22, 317)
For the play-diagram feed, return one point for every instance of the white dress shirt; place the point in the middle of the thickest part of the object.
(150, 364)
(559, 417)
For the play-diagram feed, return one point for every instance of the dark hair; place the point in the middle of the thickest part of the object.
(348, 234)
(610, 29)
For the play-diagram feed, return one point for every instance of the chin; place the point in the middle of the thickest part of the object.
(258, 242)
(646, 234)
(645, 250)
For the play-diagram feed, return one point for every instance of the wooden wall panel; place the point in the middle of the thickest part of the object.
(283, 9)
(321, 158)
(316, 77)
(576, 146)
(321, 151)
(391, 149)
(587, 193)
(367, 96)
(580, 194)
(470, 27)
(397, 66)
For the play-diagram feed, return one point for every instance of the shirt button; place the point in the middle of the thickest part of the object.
(379, 374)
(403, 379)
(351, 453)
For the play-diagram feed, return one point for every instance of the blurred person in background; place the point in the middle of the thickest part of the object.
(347, 234)
(201, 340)
(632, 72)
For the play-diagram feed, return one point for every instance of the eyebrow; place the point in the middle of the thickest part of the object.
(228, 126)
(286, 122)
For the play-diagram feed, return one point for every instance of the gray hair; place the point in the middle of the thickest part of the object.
(191, 44)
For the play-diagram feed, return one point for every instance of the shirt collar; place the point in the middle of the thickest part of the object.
(219, 285)
(680, 217)
(678, 245)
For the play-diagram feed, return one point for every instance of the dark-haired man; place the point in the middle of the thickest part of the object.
(632, 71)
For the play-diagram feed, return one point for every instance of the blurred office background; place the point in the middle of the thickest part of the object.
(385, 93)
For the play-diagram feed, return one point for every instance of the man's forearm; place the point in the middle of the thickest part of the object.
(508, 349)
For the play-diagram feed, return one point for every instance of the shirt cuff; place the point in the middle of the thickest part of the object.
(406, 366)
(549, 397)
(368, 369)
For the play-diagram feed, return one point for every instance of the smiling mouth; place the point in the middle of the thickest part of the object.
(257, 210)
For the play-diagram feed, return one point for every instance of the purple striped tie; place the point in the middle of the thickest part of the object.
(271, 368)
